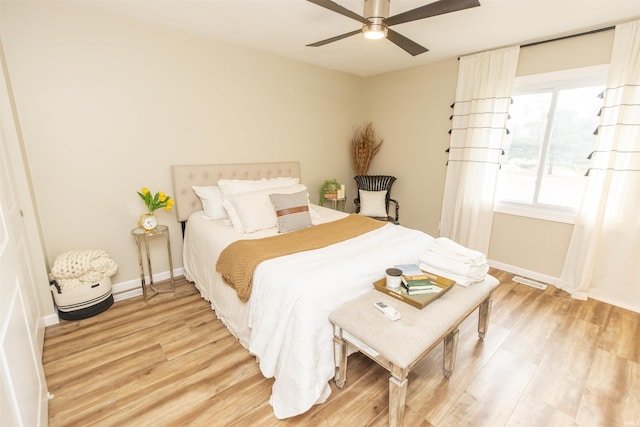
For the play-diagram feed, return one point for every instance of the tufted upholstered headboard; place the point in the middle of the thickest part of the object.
(184, 176)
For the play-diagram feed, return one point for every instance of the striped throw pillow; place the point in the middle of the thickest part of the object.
(292, 211)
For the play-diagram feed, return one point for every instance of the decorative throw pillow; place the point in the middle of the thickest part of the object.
(372, 203)
(211, 198)
(230, 187)
(253, 211)
(292, 211)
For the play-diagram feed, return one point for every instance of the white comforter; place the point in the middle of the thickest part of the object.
(291, 300)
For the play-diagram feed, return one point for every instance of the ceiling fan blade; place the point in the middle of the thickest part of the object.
(401, 41)
(335, 39)
(328, 4)
(439, 7)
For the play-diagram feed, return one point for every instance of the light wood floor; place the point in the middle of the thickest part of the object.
(547, 360)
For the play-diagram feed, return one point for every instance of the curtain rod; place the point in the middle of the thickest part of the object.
(599, 30)
(569, 36)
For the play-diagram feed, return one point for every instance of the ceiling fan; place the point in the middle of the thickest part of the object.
(376, 20)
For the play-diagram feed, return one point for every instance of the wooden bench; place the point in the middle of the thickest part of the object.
(398, 346)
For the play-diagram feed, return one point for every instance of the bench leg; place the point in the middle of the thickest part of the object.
(397, 397)
(450, 349)
(340, 355)
(483, 316)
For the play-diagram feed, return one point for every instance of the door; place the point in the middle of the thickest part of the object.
(23, 391)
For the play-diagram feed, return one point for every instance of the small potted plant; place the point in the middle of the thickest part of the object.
(329, 190)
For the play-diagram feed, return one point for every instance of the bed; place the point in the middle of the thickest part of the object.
(284, 322)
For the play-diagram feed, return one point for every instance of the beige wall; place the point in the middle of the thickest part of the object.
(107, 105)
(411, 109)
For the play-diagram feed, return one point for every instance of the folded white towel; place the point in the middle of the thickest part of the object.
(455, 251)
(460, 280)
(452, 260)
(472, 271)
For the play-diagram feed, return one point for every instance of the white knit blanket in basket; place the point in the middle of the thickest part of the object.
(80, 268)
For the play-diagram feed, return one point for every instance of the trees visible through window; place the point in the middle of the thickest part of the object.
(553, 118)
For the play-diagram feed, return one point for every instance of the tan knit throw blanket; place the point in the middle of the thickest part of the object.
(75, 269)
(238, 261)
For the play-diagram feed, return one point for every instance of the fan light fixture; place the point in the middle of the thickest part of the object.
(375, 11)
(376, 22)
(374, 31)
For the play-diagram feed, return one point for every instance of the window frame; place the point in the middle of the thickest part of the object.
(553, 82)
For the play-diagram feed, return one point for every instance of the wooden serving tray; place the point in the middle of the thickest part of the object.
(418, 301)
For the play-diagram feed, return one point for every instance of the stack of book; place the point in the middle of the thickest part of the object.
(413, 293)
(415, 281)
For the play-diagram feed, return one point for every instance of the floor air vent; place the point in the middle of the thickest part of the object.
(530, 282)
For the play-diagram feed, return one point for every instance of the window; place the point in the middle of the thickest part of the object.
(553, 117)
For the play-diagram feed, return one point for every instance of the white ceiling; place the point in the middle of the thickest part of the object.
(284, 27)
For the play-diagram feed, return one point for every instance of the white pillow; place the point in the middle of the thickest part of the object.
(211, 198)
(230, 187)
(372, 203)
(253, 211)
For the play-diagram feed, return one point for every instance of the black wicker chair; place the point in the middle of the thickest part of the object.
(378, 183)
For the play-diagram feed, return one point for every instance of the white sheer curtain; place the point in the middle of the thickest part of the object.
(483, 96)
(603, 260)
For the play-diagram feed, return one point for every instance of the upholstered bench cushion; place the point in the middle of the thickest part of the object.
(402, 342)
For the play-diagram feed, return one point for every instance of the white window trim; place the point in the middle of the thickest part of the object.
(564, 79)
(539, 211)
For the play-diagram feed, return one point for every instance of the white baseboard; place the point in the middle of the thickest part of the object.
(554, 281)
(51, 319)
(122, 291)
(523, 272)
(132, 288)
(614, 301)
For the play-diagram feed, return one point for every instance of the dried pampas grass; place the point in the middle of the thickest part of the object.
(364, 146)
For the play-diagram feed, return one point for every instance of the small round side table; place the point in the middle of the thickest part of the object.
(142, 241)
(337, 203)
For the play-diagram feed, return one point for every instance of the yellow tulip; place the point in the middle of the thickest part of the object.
(145, 190)
(170, 202)
(167, 208)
